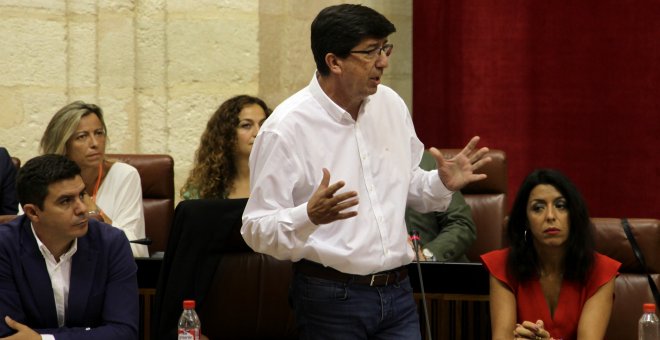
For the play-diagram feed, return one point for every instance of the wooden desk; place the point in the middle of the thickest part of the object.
(456, 297)
(450, 278)
(148, 271)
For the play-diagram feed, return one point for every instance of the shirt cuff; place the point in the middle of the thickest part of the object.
(438, 189)
(301, 220)
(47, 337)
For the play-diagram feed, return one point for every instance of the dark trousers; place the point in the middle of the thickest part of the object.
(327, 309)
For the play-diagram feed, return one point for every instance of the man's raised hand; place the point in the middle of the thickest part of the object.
(325, 207)
(458, 171)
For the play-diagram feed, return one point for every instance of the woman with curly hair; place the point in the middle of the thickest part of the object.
(221, 161)
(550, 283)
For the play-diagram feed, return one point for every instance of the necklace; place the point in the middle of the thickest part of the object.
(542, 274)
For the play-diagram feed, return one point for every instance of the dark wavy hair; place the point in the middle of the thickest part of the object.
(338, 29)
(214, 169)
(523, 260)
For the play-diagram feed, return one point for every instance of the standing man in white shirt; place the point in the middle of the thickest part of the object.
(348, 239)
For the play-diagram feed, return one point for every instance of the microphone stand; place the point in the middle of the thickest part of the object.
(415, 239)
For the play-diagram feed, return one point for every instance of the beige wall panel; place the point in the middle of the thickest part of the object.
(116, 50)
(82, 57)
(151, 77)
(81, 7)
(119, 6)
(33, 52)
(11, 114)
(210, 6)
(116, 73)
(52, 5)
(160, 68)
(37, 106)
(215, 50)
(287, 64)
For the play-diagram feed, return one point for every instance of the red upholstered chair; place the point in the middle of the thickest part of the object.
(632, 287)
(487, 199)
(157, 177)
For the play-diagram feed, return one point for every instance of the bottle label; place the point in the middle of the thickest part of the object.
(188, 334)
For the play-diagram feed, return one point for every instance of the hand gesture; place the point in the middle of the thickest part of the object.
(93, 211)
(325, 207)
(23, 332)
(530, 330)
(458, 171)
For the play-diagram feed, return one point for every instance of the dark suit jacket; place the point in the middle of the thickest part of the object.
(200, 232)
(8, 199)
(103, 291)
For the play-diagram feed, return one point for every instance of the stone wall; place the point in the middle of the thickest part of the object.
(160, 68)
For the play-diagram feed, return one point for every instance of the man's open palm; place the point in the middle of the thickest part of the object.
(458, 171)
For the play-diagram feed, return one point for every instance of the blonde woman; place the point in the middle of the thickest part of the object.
(78, 132)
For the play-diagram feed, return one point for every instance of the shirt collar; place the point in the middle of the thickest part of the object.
(335, 111)
(46, 253)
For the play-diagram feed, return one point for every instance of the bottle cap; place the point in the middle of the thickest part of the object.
(190, 304)
(649, 307)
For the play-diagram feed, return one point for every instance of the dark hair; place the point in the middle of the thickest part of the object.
(579, 257)
(338, 29)
(214, 170)
(38, 173)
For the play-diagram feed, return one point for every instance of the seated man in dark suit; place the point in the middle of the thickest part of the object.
(63, 275)
(444, 236)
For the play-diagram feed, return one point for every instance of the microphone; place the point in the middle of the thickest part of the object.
(414, 236)
(415, 240)
(145, 241)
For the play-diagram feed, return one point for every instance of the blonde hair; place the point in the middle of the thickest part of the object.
(64, 123)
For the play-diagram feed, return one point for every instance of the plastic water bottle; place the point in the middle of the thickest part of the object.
(649, 325)
(189, 325)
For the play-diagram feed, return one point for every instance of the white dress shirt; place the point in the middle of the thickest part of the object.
(377, 156)
(120, 197)
(60, 279)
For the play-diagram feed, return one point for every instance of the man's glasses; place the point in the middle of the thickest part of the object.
(376, 51)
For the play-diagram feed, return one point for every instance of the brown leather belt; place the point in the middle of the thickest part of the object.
(380, 279)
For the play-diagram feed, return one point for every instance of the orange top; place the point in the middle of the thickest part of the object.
(98, 182)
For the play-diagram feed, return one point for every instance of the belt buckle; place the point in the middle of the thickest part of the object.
(373, 277)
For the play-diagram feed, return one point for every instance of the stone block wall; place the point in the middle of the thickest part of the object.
(160, 68)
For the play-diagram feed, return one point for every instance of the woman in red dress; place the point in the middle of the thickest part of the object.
(550, 283)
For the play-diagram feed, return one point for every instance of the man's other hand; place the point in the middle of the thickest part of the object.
(23, 332)
(325, 207)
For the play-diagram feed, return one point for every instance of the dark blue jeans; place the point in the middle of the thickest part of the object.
(327, 309)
